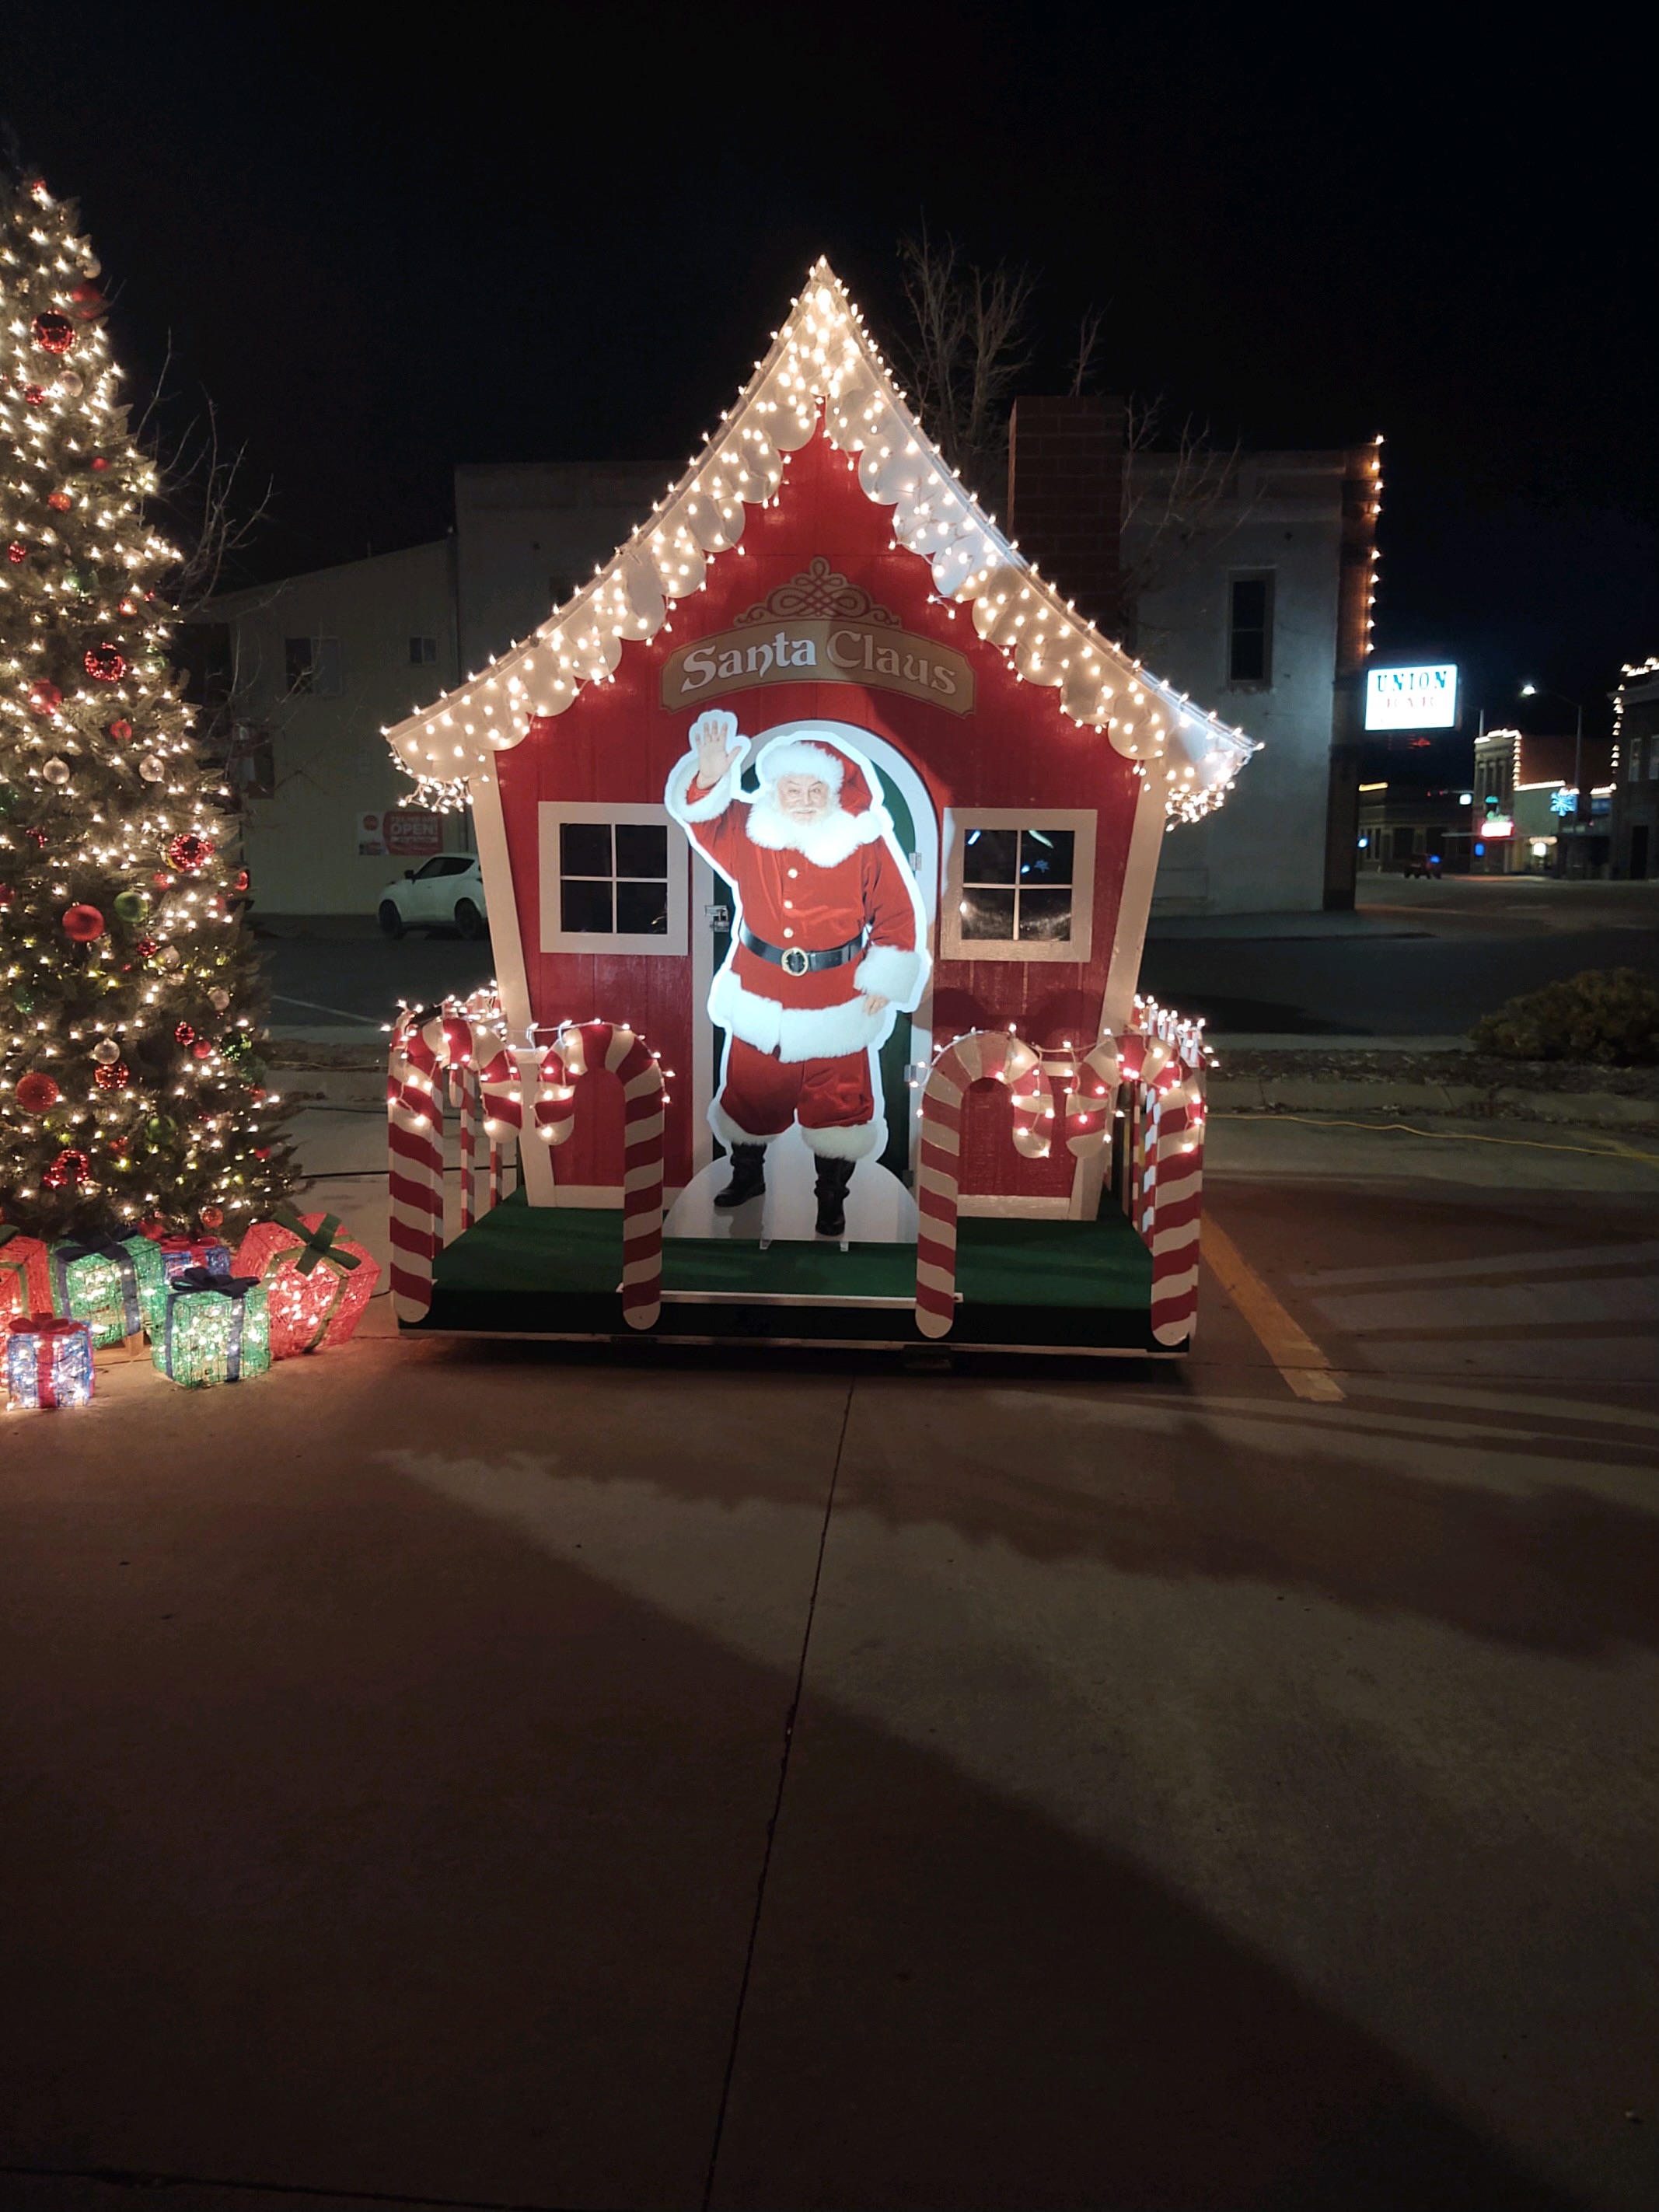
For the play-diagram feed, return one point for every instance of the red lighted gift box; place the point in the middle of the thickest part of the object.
(318, 1282)
(25, 1274)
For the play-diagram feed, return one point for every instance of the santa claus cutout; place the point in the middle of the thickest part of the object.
(828, 947)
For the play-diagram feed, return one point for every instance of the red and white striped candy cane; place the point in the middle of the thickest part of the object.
(573, 1051)
(415, 1124)
(1166, 1202)
(992, 1054)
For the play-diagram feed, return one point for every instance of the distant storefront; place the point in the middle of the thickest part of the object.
(1541, 806)
(1404, 830)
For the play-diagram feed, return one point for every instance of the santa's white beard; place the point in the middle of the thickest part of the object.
(827, 840)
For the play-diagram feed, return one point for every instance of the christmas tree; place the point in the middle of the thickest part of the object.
(132, 1090)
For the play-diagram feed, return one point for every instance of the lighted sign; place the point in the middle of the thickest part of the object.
(1412, 698)
(1497, 825)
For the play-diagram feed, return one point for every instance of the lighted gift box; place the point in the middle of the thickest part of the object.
(48, 1362)
(25, 1274)
(105, 1283)
(318, 1282)
(214, 1329)
(178, 1253)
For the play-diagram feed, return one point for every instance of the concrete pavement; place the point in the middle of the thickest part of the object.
(496, 1776)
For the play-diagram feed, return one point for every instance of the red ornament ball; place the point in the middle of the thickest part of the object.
(17, 553)
(162, 882)
(36, 1093)
(100, 465)
(53, 333)
(69, 1168)
(7, 895)
(35, 394)
(238, 881)
(120, 729)
(86, 301)
(202, 1049)
(212, 1217)
(83, 923)
(146, 948)
(183, 1033)
(45, 698)
(262, 1151)
(117, 1145)
(36, 838)
(115, 1077)
(59, 501)
(187, 850)
(104, 664)
(153, 1227)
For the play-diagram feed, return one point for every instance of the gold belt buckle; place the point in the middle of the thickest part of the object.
(795, 961)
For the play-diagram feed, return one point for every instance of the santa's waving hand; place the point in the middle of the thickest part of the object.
(829, 944)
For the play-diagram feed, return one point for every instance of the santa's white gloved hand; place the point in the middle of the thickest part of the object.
(715, 740)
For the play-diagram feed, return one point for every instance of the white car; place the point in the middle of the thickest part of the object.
(444, 893)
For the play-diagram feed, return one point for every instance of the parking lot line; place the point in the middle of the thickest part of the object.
(1286, 1343)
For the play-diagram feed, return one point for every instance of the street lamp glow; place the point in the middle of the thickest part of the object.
(1528, 691)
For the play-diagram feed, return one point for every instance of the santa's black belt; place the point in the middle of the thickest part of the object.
(794, 959)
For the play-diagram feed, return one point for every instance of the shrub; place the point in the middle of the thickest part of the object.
(1605, 1014)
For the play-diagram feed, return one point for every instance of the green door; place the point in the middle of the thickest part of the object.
(895, 1055)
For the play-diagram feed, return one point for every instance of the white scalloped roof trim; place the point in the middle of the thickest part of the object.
(822, 353)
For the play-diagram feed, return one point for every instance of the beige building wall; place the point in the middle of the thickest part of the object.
(319, 742)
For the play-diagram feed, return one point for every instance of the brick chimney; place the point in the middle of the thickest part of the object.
(1065, 498)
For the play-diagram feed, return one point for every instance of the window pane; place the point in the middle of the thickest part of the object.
(988, 856)
(642, 908)
(642, 849)
(585, 908)
(584, 849)
(1045, 856)
(432, 868)
(1045, 917)
(988, 913)
(1248, 609)
(296, 663)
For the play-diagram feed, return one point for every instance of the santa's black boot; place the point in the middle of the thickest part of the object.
(834, 1176)
(748, 1176)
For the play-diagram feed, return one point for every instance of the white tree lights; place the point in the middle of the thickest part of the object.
(824, 357)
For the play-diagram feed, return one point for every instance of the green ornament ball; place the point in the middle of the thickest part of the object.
(159, 1127)
(131, 906)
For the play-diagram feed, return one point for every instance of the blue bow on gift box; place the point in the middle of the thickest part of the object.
(191, 1282)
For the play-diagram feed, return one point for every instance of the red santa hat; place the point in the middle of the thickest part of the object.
(816, 756)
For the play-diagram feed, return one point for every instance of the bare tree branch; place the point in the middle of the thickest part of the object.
(1088, 345)
(1175, 503)
(967, 350)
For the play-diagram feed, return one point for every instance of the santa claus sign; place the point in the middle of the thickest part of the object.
(839, 972)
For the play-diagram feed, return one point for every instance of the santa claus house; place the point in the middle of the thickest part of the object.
(818, 834)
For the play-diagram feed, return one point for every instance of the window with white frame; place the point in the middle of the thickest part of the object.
(1020, 886)
(613, 878)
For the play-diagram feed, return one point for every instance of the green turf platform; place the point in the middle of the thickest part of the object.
(553, 1271)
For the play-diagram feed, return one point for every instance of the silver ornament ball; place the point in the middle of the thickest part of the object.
(56, 771)
(152, 769)
(106, 1050)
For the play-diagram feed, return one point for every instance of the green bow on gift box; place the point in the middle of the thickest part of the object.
(319, 1243)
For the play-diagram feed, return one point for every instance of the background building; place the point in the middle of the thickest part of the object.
(1633, 820)
(1528, 816)
(1249, 589)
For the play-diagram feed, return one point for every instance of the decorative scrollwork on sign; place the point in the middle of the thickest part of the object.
(819, 593)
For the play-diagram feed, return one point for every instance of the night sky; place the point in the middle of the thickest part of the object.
(499, 234)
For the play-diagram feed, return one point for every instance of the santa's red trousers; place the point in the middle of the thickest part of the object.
(763, 1095)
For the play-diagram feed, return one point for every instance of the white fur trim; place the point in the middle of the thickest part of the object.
(801, 756)
(856, 1143)
(833, 837)
(892, 972)
(728, 1132)
(796, 1033)
(676, 796)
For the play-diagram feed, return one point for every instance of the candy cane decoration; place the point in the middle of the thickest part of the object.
(573, 1051)
(415, 1121)
(1166, 1202)
(982, 1054)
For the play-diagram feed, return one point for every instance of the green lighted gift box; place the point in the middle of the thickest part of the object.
(214, 1328)
(106, 1283)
